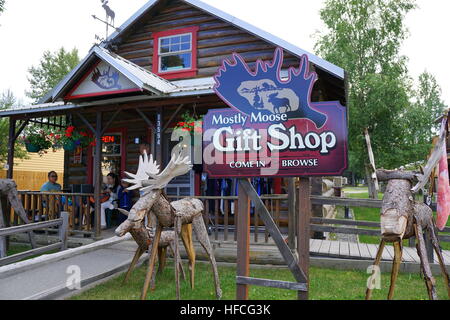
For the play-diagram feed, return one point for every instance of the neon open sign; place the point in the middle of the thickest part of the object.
(273, 128)
(108, 139)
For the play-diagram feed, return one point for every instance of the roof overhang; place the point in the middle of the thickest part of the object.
(135, 76)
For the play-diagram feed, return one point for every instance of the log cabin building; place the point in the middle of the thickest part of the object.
(134, 86)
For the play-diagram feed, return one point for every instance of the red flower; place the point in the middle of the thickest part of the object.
(192, 124)
(187, 129)
(70, 129)
(68, 134)
(84, 134)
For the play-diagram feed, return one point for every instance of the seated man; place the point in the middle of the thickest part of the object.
(51, 185)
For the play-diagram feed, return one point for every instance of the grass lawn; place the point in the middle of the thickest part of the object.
(19, 248)
(373, 214)
(325, 285)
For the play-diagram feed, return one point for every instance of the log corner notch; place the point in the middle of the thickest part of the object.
(386, 175)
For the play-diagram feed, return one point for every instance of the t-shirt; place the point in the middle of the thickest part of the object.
(51, 187)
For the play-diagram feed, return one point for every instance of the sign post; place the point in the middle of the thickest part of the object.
(243, 242)
(273, 129)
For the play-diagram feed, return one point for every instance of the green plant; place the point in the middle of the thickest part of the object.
(36, 141)
(71, 137)
(190, 123)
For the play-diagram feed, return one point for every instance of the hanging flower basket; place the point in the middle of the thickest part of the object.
(190, 125)
(36, 141)
(32, 148)
(70, 138)
(69, 146)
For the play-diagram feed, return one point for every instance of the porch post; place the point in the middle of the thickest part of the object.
(303, 234)
(97, 173)
(11, 143)
(158, 136)
(243, 241)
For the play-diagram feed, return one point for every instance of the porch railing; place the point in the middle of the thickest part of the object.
(60, 225)
(220, 212)
(42, 206)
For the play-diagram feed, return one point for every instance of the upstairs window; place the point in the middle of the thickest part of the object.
(175, 53)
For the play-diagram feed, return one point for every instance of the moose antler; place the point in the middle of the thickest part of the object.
(147, 168)
(178, 166)
(148, 176)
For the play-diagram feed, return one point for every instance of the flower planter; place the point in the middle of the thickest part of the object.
(69, 146)
(32, 148)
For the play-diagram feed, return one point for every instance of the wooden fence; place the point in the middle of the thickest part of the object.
(30, 180)
(62, 228)
(42, 206)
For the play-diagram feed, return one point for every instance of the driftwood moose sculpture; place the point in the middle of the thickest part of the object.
(8, 189)
(144, 238)
(403, 218)
(183, 215)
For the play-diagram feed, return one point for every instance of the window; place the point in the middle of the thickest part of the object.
(175, 53)
(113, 159)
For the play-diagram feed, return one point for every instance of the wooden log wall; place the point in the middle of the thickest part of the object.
(217, 40)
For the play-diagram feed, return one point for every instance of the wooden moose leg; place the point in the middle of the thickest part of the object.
(152, 260)
(161, 265)
(186, 237)
(172, 250)
(136, 257)
(438, 250)
(422, 252)
(177, 261)
(376, 264)
(202, 236)
(395, 267)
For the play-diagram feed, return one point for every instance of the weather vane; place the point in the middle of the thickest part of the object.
(109, 20)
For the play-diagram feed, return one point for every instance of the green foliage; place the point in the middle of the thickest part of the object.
(325, 284)
(365, 37)
(71, 135)
(36, 137)
(2, 5)
(7, 100)
(52, 68)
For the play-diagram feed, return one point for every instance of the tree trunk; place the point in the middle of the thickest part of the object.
(373, 193)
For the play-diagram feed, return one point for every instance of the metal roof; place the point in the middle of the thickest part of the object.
(319, 62)
(199, 86)
(143, 79)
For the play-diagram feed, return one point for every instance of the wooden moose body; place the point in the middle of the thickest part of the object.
(183, 216)
(403, 218)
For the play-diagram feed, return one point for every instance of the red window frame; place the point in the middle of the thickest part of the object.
(175, 74)
(123, 157)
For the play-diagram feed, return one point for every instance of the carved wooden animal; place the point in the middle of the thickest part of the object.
(8, 189)
(165, 214)
(403, 218)
(144, 240)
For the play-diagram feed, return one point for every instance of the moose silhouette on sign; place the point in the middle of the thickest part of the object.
(106, 79)
(263, 90)
(279, 103)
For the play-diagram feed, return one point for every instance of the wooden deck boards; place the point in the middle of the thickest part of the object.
(366, 251)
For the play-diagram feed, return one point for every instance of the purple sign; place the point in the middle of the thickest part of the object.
(273, 128)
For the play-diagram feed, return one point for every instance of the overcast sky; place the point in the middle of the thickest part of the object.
(28, 28)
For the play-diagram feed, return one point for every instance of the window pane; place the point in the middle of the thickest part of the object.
(175, 40)
(185, 46)
(186, 38)
(175, 48)
(176, 62)
(165, 41)
(164, 49)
